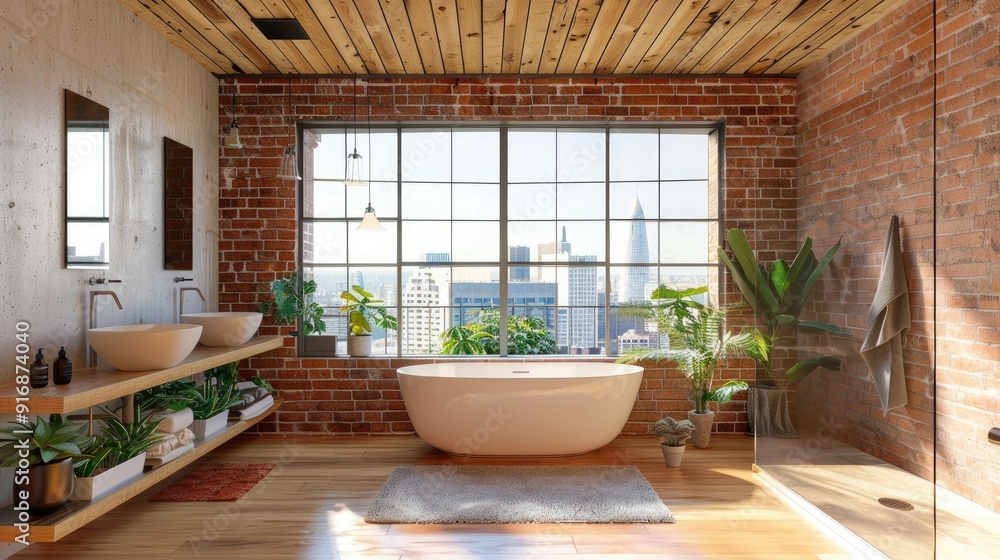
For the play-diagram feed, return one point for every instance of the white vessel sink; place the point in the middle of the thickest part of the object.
(144, 347)
(225, 328)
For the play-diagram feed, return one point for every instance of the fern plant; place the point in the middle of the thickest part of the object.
(697, 342)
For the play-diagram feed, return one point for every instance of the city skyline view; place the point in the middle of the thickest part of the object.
(598, 227)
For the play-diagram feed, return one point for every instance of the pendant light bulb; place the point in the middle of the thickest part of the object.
(369, 222)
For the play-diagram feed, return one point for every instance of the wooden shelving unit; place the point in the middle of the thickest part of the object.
(72, 516)
(95, 385)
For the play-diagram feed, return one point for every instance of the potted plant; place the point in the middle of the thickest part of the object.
(364, 309)
(117, 455)
(697, 343)
(777, 293)
(43, 453)
(211, 408)
(673, 437)
(293, 301)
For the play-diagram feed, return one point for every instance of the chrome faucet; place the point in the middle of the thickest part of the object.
(196, 290)
(93, 318)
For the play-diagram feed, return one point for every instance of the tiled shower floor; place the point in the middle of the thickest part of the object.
(845, 483)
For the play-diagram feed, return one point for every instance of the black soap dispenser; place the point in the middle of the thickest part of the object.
(62, 369)
(39, 371)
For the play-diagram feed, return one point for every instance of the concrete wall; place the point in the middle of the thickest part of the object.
(100, 50)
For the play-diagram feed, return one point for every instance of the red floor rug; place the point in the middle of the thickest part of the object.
(215, 482)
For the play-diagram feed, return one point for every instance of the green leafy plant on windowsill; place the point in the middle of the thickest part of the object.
(525, 336)
(364, 310)
(293, 301)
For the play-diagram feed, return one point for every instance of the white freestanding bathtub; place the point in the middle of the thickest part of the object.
(519, 408)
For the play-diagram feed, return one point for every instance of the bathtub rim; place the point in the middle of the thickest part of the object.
(626, 369)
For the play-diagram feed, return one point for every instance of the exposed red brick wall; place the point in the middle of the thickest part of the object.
(258, 229)
(866, 147)
(968, 249)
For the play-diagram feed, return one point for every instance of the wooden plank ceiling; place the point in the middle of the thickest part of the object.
(454, 37)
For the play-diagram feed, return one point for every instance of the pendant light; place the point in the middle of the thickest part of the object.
(353, 177)
(289, 168)
(233, 135)
(369, 222)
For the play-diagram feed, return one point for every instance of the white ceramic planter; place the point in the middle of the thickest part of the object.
(210, 426)
(92, 487)
(672, 454)
(359, 345)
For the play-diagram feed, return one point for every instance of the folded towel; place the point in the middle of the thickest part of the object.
(165, 446)
(255, 409)
(172, 421)
(888, 321)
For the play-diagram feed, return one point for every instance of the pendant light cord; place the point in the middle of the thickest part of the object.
(368, 104)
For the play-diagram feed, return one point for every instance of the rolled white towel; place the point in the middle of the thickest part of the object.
(174, 422)
(184, 437)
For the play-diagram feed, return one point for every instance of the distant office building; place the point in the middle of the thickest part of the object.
(437, 257)
(536, 299)
(519, 253)
(631, 340)
(423, 315)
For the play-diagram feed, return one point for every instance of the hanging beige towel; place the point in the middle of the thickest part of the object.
(888, 321)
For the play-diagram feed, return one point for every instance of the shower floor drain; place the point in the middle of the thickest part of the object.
(896, 504)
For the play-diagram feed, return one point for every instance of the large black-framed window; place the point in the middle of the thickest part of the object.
(560, 222)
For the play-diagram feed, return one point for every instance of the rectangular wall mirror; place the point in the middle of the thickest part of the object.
(178, 207)
(88, 182)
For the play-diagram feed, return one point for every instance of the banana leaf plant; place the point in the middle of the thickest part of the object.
(463, 340)
(777, 294)
(697, 342)
(363, 309)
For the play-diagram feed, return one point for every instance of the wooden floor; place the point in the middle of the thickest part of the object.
(312, 504)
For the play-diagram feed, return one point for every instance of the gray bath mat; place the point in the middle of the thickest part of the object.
(517, 494)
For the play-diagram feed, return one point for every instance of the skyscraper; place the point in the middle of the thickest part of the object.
(519, 253)
(632, 286)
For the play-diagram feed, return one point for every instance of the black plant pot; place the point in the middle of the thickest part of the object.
(49, 486)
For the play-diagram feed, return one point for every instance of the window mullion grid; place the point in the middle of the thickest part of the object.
(399, 240)
(607, 242)
(504, 255)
